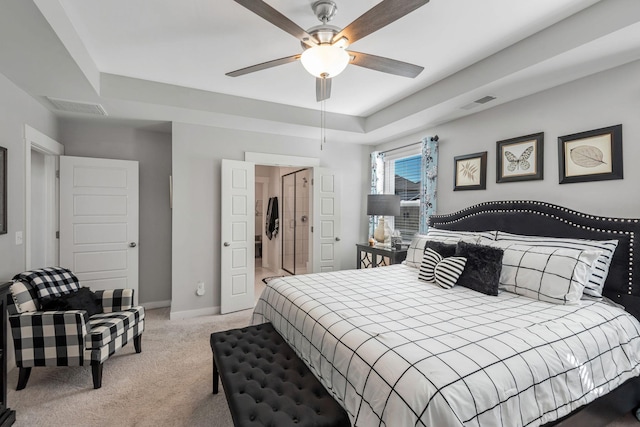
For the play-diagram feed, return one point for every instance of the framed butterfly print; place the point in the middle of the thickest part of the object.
(594, 155)
(520, 159)
(470, 172)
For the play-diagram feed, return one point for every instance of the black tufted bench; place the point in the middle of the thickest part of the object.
(266, 384)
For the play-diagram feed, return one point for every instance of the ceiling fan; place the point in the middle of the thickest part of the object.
(325, 52)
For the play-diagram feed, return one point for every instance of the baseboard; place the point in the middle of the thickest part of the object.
(156, 304)
(189, 314)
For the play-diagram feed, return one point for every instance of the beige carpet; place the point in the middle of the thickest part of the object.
(168, 384)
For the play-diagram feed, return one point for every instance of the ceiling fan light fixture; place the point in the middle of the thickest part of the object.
(325, 60)
(342, 43)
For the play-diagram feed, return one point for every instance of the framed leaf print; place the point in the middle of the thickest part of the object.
(520, 159)
(470, 172)
(594, 155)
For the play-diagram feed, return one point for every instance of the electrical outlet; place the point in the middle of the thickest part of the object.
(200, 289)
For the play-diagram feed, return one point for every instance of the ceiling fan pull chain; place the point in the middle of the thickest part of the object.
(323, 123)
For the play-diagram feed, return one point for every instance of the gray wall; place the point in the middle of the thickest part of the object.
(17, 109)
(153, 152)
(608, 98)
(197, 154)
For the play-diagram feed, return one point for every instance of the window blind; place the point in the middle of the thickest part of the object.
(407, 176)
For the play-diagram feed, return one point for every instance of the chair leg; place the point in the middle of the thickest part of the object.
(23, 378)
(96, 370)
(137, 343)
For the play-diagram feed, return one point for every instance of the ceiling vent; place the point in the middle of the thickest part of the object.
(477, 102)
(77, 107)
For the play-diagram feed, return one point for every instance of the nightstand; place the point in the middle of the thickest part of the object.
(374, 256)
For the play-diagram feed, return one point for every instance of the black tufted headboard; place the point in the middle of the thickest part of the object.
(545, 219)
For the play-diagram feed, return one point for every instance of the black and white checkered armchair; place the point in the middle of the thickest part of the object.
(69, 337)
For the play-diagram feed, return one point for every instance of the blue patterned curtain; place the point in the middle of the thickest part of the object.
(429, 182)
(377, 181)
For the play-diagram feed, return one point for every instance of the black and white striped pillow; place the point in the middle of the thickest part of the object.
(595, 283)
(442, 271)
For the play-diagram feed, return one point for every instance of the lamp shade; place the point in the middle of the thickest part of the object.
(325, 60)
(383, 204)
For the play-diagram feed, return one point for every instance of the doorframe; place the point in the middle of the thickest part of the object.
(52, 150)
(264, 196)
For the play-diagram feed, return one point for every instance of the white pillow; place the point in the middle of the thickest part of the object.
(595, 283)
(445, 235)
(545, 273)
(416, 247)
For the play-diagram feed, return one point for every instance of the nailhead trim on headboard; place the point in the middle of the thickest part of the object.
(609, 225)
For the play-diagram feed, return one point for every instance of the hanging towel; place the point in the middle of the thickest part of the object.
(272, 222)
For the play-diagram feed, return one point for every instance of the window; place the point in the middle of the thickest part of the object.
(402, 177)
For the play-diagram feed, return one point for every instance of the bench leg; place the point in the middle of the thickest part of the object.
(96, 371)
(23, 378)
(137, 343)
(215, 377)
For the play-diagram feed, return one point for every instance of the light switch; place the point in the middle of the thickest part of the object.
(18, 237)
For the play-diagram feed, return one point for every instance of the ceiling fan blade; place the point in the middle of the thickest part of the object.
(386, 65)
(267, 12)
(381, 15)
(263, 66)
(323, 89)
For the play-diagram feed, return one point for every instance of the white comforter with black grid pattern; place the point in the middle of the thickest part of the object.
(395, 351)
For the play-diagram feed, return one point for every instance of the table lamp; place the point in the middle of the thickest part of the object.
(383, 205)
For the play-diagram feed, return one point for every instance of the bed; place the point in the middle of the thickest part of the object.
(394, 350)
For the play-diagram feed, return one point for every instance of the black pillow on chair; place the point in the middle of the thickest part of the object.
(82, 299)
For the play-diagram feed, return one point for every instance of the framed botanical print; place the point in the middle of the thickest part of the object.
(593, 155)
(470, 172)
(520, 159)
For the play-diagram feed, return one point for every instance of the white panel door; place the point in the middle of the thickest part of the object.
(99, 221)
(326, 221)
(237, 236)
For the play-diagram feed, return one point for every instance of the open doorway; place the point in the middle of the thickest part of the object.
(275, 239)
(41, 194)
(237, 259)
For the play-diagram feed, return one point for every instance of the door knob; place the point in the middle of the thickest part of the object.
(227, 244)
(337, 239)
(132, 245)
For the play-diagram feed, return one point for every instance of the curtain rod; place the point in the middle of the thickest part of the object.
(433, 138)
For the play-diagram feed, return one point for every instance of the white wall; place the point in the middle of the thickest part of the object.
(608, 98)
(197, 154)
(17, 109)
(152, 150)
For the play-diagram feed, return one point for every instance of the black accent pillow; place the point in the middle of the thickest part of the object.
(445, 250)
(483, 268)
(82, 299)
